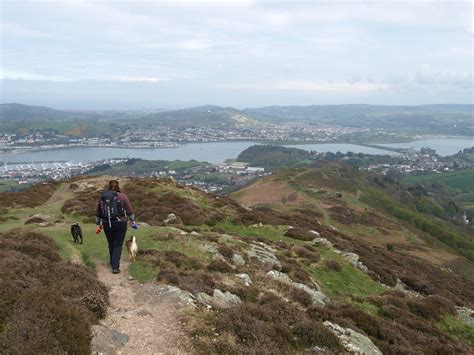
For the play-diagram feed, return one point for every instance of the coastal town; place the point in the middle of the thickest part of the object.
(172, 136)
(230, 174)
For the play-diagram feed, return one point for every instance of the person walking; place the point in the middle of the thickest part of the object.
(113, 212)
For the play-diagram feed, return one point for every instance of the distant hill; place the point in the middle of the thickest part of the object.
(435, 119)
(424, 119)
(14, 111)
(205, 116)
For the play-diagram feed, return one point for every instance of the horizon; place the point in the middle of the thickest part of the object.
(118, 55)
(230, 106)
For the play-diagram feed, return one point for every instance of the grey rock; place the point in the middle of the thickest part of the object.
(245, 279)
(323, 241)
(238, 260)
(223, 300)
(204, 299)
(144, 313)
(316, 295)
(155, 293)
(107, 341)
(219, 299)
(119, 339)
(264, 254)
(353, 341)
(354, 260)
(466, 314)
(170, 218)
(315, 233)
(194, 233)
(210, 248)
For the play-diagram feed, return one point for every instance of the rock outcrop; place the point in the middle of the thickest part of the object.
(264, 254)
(353, 341)
(316, 295)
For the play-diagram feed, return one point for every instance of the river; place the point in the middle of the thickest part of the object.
(214, 152)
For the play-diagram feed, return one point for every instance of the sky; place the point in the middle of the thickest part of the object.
(114, 54)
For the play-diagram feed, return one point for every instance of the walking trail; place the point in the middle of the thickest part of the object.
(142, 319)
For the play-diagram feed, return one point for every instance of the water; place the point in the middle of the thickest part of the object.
(214, 152)
(443, 146)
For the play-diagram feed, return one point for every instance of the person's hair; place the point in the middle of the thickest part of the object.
(114, 185)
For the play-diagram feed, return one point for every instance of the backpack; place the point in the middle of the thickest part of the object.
(110, 206)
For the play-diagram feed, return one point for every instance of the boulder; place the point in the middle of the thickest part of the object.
(155, 293)
(354, 260)
(352, 341)
(316, 295)
(223, 300)
(238, 260)
(245, 279)
(323, 241)
(171, 218)
(218, 300)
(263, 254)
(107, 341)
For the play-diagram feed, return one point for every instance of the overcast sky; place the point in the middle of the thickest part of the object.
(165, 54)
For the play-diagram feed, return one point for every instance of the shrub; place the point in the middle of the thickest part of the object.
(311, 333)
(226, 251)
(46, 305)
(219, 265)
(333, 265)
(311, 256)
(190, 280)
(42, 322)
(34, 220)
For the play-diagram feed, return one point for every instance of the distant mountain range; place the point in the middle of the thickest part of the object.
(456, 119)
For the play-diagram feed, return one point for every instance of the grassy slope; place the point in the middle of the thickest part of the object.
(458, 183)
(349, 286)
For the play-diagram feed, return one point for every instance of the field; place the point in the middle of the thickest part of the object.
(460, 184)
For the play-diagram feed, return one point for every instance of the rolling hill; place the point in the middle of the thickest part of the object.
(305, 260)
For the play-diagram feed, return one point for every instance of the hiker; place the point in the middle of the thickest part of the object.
(113, 211)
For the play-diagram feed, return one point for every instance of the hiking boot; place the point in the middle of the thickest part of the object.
(116, 271)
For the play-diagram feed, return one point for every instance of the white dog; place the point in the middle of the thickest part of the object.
(132, 248)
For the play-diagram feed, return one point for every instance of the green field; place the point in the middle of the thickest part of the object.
(462, 181)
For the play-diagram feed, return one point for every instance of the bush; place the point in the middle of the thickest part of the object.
(226, 251)
(42, 323)
(219, 265)
(311, 333)
(46, 305)
(333, 265)
(311, 256)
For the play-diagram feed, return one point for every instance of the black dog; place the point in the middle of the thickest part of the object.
(76, 232)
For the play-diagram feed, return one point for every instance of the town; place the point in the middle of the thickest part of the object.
(224, 177)
(171, 136)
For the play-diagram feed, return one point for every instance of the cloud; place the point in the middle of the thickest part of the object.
(12, 29)
(14, 75)
(311, 86)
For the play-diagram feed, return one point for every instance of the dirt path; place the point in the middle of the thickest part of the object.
(142, 319)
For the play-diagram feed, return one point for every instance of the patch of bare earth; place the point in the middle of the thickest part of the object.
(268, 192)
(138, 323)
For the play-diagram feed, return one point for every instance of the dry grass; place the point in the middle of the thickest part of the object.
(32, 197)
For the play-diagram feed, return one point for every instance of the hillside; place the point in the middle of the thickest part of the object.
(304, 263)
(427, 119)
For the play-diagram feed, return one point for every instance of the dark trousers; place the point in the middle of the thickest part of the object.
(115, 236)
